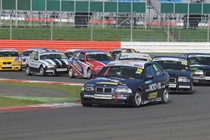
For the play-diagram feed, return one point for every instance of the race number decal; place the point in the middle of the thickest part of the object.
(139, 70)
(184, 63)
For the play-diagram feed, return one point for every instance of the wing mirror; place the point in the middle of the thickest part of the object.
(149, 77)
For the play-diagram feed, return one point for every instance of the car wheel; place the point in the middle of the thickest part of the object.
(41, 71)
(137, 99)
(71, 73)
(192, 88)
(28, 71)
(86, 104)
(89, 73)
(165, 96)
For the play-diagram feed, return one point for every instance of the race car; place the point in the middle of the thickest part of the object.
(115, 52)
(132, 83)
(133, 56)
(178, 68)
(200, 66)
(70, 52)
(46, 62)
(10, 60)
(85, 62)
(25, 54)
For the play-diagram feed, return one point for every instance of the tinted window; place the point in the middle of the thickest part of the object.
(99, 57)
(150, 71)
(122, 72)
(201, 60)
(9, 54)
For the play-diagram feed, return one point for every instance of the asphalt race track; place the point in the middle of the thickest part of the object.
(185, 117)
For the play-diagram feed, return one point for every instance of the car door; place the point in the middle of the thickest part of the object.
(160, 77)
(34, 62)
(150, 87)
(76, 63)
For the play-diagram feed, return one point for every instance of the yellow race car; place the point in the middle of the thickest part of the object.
(10, 60)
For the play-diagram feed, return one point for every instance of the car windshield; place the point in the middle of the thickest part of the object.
(173, 65)
(69, 54)
(122, 72)
(115, 53)
(201, 60)
(9, 54)
(143, 59)
(99, 57)
(52, 56)
(26, 53)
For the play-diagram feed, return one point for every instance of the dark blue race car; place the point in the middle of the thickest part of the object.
(200, 66)
(127, 83)
(179, 70)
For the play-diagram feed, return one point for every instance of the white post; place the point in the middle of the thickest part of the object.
(131, 23)
(208, 29)
(51, 38)
(168, 30)
(10, 26)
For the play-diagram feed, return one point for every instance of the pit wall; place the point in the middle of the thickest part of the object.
(156, 47)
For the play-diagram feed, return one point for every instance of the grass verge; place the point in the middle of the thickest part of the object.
(6, 101)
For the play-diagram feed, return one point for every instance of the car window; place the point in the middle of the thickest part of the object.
(150, 71)
(32, 55)
(9, 54)
(82, 56)
(158, 70)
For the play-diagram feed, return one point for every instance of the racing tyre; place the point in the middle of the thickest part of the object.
(165, 96)
(86, 104)
(89, 73)
(137, 99)
(28, 71)
(41, 71)
(192, 88)
(71, 73)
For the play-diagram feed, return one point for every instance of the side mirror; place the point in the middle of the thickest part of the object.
(82, 59)
(149, 77)
(94, 75)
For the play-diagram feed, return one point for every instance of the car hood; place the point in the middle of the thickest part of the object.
(98, 63)
(201, 67)
(178, 73)
(113, 81)
(10, 58)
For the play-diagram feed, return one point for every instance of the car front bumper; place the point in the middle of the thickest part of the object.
(181, 87)
(109, 99)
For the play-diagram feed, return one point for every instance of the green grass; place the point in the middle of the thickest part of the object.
(74, 92)
(84, 34)
(183, 35)
(6, 102)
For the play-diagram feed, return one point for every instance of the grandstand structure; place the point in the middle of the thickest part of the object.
(115, 13)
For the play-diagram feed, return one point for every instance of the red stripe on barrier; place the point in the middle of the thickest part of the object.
(21, 45)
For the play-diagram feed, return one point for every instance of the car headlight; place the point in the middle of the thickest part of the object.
(124, 90)
(199, 72)
(183, 79)
(88, 88)
(50, 66)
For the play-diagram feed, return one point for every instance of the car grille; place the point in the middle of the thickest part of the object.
(103, 90)
(6, 63)
(61, 66)
(208, 73)
(172, 80)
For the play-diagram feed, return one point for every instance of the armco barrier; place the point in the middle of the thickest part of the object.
(168, 47)
(21, 45)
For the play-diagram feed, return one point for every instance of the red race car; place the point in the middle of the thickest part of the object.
(85, 62)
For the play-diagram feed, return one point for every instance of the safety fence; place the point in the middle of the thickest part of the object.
(21, 45)
(150, 47)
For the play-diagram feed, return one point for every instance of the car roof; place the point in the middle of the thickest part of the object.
(120, 49)
(169, 56)
(72, 50)
(128, 63)
(196, 53)
(134, 55)
(32, 49)
(7, 49)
